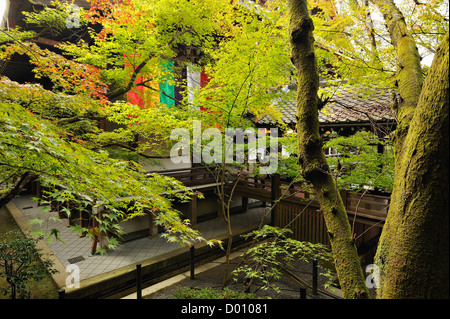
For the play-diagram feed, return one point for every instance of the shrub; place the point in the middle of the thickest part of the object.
(21, 262)
(210, 293)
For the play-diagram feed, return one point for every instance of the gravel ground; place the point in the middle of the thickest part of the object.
(289, 289)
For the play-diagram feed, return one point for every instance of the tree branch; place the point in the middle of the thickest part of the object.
(18, 187)
(121, 91)
(132, 149)
(312, 158)
(131, 83)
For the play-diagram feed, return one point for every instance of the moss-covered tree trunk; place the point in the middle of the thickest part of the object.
(311, 155)
(409, 77)
(413, 252)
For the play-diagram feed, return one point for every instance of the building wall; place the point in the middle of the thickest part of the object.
(207, 208)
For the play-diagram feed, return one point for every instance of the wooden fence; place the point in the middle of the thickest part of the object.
(366, 214)
(305, 221)
(300, 212)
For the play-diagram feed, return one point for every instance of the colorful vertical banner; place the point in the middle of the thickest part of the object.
(204, 80)
(136, 95)
(144, 97)
(166, 84)
(193, 83)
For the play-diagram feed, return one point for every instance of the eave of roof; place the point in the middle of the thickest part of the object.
(345, 107)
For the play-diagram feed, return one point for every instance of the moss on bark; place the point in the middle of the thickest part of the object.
(413, 251)
(409, 76)
(312, 158)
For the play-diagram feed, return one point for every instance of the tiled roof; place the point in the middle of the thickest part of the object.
(81, 3)
(343, 108)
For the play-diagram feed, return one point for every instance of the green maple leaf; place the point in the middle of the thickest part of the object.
(55, 232)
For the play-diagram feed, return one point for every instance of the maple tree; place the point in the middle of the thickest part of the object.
(52, 134)
(142, 34)
(127, 49)
(31, 146)
(248, 68)
(245, 50)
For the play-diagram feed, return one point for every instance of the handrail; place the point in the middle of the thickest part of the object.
(261, 188)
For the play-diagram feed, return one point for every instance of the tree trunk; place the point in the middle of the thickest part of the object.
(20, 184)
(312, 158)
(413, 252)
(409, 77)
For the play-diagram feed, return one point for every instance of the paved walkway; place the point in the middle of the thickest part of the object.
(76, 250)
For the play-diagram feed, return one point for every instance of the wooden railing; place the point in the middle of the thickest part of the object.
(193, 176)
(305, 221)
(367, 208)
(296, 208)
(269, 189)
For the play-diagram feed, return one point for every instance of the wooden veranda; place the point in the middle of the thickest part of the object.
(290, 205)
(296, 208)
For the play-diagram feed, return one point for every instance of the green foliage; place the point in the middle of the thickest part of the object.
(141, 34)
(353, 43)
(248, 67)
(21, 262)
(54, 106)
(152, 125)
(55, 135)
(274, 250)
(210, 293)
(77, 174)
(15, 35)
(52, 20)
(360, 164)
(354, 161)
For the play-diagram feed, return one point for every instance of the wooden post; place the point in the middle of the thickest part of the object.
(95, 230)
(192, 210)
(302, 293)
(152, 227)
(94, 245)
(39, 192)
(244, 204)
(314, 277)
(276, 194)
(192, 250)
(138, 281)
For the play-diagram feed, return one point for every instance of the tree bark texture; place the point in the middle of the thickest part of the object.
(413, 252)
(409, 78)
(312, 158)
